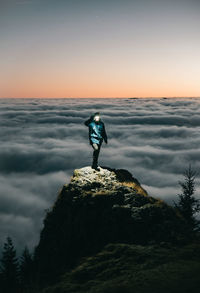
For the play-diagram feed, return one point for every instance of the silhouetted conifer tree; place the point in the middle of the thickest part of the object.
(187, 204)
(26, 269)
(9, 268)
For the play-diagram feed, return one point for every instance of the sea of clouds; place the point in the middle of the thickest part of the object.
(44, 140)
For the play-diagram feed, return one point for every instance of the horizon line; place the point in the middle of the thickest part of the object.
(162, 97)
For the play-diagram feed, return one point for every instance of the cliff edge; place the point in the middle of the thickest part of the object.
(97, 208)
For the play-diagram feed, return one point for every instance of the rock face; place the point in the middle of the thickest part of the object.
(106, 179)
(97, 208)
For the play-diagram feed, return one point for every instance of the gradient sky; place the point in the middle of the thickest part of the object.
(107, 48)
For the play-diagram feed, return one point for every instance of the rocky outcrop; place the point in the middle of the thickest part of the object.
(100, 207)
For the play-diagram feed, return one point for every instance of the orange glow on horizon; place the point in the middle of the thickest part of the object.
(83, 83)
(103, 79)
(81, 90)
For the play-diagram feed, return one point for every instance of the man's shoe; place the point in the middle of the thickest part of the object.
(96, 168)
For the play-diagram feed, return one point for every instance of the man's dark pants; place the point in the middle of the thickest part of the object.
(96, 148)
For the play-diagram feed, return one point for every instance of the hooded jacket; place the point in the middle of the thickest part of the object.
(97, 132)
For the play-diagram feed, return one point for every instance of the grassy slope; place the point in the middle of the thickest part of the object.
(123, 268)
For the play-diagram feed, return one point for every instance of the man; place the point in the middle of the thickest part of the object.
(97, 134)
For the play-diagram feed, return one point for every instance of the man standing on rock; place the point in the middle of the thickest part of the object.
(97, 134)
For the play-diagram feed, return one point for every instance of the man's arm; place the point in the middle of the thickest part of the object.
(90, 131)
(104, 135)
(87, 122)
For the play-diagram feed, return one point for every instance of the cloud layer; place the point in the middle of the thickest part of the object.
(44, 140)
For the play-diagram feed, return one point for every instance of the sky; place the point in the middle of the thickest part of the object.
(44, 140)
(107, 48)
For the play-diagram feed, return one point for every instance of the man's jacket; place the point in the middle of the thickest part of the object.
(97, 131)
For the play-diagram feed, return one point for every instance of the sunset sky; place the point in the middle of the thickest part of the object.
(107, 48)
